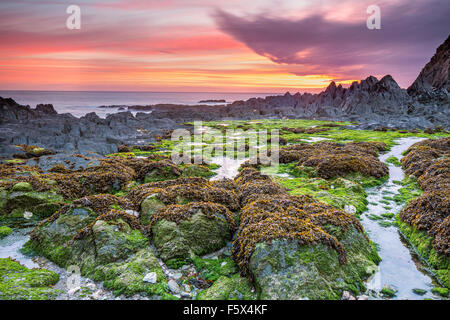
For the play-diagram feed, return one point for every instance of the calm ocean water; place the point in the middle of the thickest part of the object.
(79, 103)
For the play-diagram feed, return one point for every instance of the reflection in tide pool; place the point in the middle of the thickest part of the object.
(228, 167)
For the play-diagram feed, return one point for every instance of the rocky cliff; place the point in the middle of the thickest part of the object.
(433, 82)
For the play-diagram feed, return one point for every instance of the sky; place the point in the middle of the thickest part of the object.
(265, 46)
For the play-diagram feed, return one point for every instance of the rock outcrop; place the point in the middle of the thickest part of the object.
(433, 82)
(89, 134)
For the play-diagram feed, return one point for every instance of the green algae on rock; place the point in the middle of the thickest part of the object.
(5, 231)
(198, 228)
(443, 292)
(393, 160)
(423, 245)
(21, 198)
(213, 269)
(285, 269)
(128, 277)
(20, 283)
(225, 288)
(149, 207)
(283, 240)
(80, 236)
(22, 186)
(195, 170)
(425, 220)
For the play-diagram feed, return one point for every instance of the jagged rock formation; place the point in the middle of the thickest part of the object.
(371, 102)
(43, 126)
(433, 82)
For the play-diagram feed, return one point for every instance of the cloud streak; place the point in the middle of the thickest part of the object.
(264, 45)
(410, 31)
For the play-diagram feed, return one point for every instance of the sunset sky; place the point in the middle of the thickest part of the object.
(209, 45)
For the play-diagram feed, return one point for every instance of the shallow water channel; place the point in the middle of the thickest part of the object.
(400, 267)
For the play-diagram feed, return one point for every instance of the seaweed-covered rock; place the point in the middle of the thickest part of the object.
(428, 161)
(425, 220)
(333, 159)
(5, 231)
(234, 288)
(90, 226)
(286, 269)
(149, 207)
(31, 151)
(109, 238)
(184, 190)
(197, 228)
(49, 237)
(252, 190)
(128, 277)
(421, 155)
(296, 247)
(108, 176)
(159, 171)
(109, 246)
(20, 283)
(42, 204)
(427, 212)
(195, 170)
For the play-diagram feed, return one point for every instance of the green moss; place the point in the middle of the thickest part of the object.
(443, 292)
(385, 224)
(366, 181)
(337, 192)
(213, 166)
(149, 206)
(5, 231)
(199, 235)
(286, 270)
(409, 190)
(388, 292)
(22, 186)
(388, 215)
(20, 283)
(212, 269)
(15, 161)
(423, 244)
(394, 161)
(127, 277)
(41, 204)
(234, 288)
(177, 263)
(197, 171)
(419, 292)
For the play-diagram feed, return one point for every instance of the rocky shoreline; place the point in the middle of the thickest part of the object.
(142, 227)
(369, 104)
(104, 197)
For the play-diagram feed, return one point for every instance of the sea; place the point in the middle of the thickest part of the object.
(79, 103)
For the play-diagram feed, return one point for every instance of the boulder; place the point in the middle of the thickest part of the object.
(285, 269)
(15, 203)
(149, 206)
(141, 273)
(199, 235)
(234, 288)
